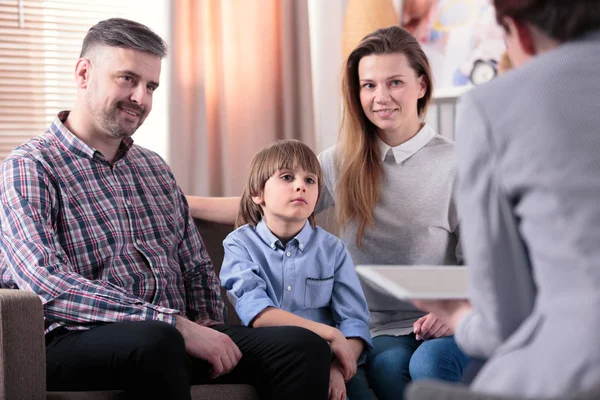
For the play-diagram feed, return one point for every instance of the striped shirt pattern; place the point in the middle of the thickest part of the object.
(101, 242)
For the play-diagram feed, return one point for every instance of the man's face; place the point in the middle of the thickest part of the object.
(119, 93)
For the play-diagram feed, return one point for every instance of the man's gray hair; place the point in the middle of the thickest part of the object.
(120, 32)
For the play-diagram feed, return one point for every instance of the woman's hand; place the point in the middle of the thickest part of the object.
(431, 327)
(450, 312)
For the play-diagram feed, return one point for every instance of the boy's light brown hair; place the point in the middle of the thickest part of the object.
(284, 154)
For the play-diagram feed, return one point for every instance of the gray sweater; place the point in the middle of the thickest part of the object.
(416, 221)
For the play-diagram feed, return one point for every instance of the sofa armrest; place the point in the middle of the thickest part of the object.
(22, 346)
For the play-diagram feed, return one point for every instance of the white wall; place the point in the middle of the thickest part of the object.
(326, 18)
(154, 133)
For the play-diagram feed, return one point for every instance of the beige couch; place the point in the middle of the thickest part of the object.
(22, 347)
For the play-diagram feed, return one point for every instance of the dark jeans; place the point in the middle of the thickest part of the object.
(358, 388)
(148, 361)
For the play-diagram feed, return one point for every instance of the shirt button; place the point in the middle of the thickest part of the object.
(138, 241)
(160, 317)
(273, 246)
(288, 254)
(128, 202)
(289, 288)
(301, 246)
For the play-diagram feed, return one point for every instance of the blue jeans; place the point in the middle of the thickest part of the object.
(396, 360)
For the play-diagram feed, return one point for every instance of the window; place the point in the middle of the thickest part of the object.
(40, 41)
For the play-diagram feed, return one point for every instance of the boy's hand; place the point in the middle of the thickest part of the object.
(337, 384)
(344, 355)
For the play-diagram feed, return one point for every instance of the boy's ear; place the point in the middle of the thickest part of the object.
(258, 200)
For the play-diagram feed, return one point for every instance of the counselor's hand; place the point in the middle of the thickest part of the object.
(208, 344)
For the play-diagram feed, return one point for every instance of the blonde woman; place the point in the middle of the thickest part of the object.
(390, 183)
(390, 180)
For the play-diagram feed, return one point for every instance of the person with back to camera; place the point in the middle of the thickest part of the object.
(97, 227)
(390, 180)
(280, 269)
(529, 171)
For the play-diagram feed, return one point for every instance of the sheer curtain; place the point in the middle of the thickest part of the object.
(240, 80)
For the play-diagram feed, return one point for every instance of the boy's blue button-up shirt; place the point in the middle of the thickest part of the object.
(312, 276)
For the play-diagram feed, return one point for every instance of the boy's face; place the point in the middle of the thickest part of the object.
(289, 196)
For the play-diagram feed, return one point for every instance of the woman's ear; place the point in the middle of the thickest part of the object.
(423, 86)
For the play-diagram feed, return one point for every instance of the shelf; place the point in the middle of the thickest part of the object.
(450, 93)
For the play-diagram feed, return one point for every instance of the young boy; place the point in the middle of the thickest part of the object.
(280, 269)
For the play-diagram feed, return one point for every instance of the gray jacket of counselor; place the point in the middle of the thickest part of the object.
(528, 150)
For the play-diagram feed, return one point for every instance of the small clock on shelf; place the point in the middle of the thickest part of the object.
(483, 71)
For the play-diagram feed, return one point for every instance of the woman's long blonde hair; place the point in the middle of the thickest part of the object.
(357, 156)
(284, 154)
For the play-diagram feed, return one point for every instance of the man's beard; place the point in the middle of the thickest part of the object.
(111, 121)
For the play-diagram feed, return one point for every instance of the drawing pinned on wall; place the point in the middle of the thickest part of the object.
(461, 38)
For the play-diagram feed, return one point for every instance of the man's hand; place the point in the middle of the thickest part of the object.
(337, 384)
(344, 355)
(210, 345)
(431, 327)
(449, 311)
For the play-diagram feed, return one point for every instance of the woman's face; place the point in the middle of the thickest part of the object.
(389, 92)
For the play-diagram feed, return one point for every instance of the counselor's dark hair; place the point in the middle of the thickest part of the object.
(562, 20)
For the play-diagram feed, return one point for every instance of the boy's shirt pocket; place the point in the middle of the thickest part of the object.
(317, 292)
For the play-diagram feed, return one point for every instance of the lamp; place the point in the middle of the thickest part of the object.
(363, 17)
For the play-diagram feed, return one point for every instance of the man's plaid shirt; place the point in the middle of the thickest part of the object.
(101, 242)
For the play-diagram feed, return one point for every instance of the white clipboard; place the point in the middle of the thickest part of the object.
(411, 282)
